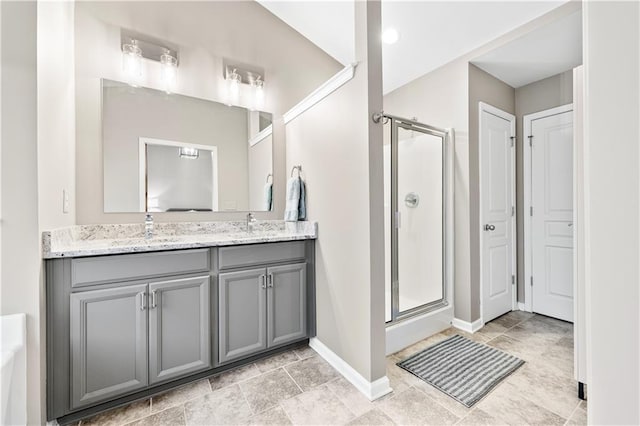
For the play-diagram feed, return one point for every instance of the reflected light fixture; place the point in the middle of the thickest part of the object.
(132, 62)
(233, 87)
(168, 71)
(188, 152)
(390, 36)
(258, 93)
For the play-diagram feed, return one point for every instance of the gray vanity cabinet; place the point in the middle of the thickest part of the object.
(109, 343)
(242, 313)
(179, 328)
(128, 326)
(260, 309)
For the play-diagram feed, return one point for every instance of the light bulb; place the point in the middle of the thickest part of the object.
(233, 82)
(390, 36)
(169, 71)
(258, 94)
(132, 63)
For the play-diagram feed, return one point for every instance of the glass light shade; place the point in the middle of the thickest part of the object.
(390, 36)
(233, 88)
(188, 153)
(169, 71)
(258, 94)
(132, 63)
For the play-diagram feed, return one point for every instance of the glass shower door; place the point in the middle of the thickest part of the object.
(415, 179)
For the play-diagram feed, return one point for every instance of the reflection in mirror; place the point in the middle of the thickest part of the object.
(166, 153)
(176, 176)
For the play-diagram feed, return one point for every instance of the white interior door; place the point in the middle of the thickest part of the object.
(552, 215)
(497, 211)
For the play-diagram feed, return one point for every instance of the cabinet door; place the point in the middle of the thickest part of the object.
(108, 343)
(179, 328)
(242, 310)
(286, 303)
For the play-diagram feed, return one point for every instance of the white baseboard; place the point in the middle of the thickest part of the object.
(521, 306)
(372, 390)
(469, 327)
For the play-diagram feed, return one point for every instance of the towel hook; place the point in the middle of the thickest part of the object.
(298, 168)
(269, 176)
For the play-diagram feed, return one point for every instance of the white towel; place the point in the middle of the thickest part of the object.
(293, 199)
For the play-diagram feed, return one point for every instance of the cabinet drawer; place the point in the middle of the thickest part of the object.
(97, 270)
(259, 254)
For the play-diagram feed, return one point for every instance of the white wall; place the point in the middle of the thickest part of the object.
(56, 113)
(611, 34)
(340, 150)
(20, 285)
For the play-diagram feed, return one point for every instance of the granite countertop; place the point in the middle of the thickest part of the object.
(95, 240)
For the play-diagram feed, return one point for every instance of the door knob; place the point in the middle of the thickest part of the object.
(488, 227)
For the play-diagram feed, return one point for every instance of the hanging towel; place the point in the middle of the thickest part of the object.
(268, 197)
(293, 199)
(302, 205)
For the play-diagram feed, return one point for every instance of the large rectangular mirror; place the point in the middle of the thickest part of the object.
(170, 152)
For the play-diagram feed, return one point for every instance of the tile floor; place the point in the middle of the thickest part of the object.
(298, 387)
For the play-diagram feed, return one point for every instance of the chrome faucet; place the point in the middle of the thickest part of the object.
(251, 221)
(148, 226)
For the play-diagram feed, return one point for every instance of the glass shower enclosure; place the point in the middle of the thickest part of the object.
(416, 199)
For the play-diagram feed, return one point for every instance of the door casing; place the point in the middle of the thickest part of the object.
(484, 107)
(527, 170)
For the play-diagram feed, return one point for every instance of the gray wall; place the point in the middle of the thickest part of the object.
(20, 284)
(340, 150)
(538, 96)
(483, 87)
(206, 32)
(129, 114)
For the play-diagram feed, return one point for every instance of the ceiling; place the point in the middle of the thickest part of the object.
(547, 51)
(432, 33)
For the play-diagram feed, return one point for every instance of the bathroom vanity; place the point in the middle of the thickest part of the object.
(129, 317)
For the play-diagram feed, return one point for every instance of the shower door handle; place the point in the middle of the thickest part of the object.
(397, 217)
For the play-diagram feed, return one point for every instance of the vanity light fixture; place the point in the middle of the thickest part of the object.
(188, 152)
(168, 71)
(258, 93)
(233, 88)
(132, 62)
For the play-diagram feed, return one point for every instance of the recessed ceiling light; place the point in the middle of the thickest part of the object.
(390, 36)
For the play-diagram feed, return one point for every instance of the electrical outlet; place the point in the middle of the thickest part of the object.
(65, 201)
